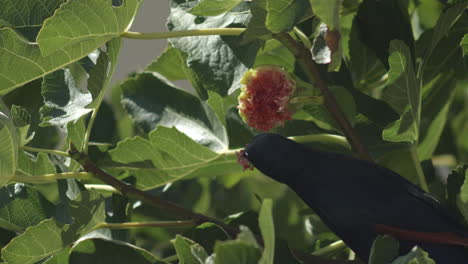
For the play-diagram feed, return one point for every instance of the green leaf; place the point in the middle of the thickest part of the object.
(464, 44)
(27, 56)
(221, 105)
(256, 27)
(214, 7)
(76, 131)
(151, 101)
(367, 71)
(243, 250)
(445, 22)
(188, 251)
(50, 237)
(99, 21)
(27, 16)
(399, 159)
(328, 12)
(22, 207)
(381, 22)
(101, 73)
(275, 53)
(403, 94)
(384, 250)
(105, 251)
(169, 64)
(172, 156)
(321, 116)
(206, 235)
(462, 196)
(219, 62)
(64, 101)
(283, 15)
(455, 181)
(417, 255)
(34, 166)
(8, 145)
(22, 121)
(29, 97)
(267, 229)
(437, 99)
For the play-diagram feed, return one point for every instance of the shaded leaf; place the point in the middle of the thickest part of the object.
(188, 251)
(8, 145)
(283, 15)
(464, 44)
(243, 250)
(109, 251)
(22, 121)
(445, 22)
(256, 27)
(22, 207)
(64, 100)
(50, 237)
(101, 73)
(403, 94)
(384, 250)
(27, 16)
(417, 255)
(380, 22)
(151, 101)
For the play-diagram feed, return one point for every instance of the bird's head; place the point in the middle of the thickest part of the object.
(275, 156)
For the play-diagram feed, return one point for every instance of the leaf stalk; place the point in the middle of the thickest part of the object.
(184, 33)
(165, 224)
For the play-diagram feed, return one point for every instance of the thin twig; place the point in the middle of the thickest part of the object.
(166, 224)
(137, 194)
(304, 58)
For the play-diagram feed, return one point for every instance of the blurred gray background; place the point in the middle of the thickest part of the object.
(136, 54)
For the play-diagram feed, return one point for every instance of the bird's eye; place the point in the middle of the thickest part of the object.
(242, 160)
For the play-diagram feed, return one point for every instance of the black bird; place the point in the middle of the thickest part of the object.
(359, 200)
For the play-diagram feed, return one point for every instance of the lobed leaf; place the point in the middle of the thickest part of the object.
(188, 251)
(22, 207)
(27, 16)
(172, 155)
(218, 61)
(8, 145)
(24, 60)
(85, 20)
(283, 15)
(151, 101)
(50, 237)
(403, 94)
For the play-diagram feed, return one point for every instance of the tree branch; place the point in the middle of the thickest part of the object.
(304, 58)
(137, 194)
